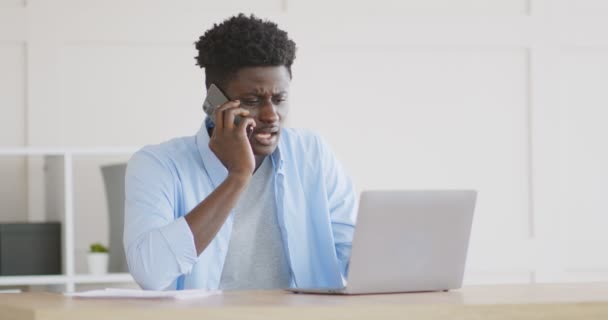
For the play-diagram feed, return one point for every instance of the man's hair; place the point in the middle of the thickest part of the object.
(241, 42)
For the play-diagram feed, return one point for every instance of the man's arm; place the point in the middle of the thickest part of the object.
(206, 219)
(230, 144)
(342, 200)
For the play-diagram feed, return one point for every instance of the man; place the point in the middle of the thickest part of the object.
(233, 209)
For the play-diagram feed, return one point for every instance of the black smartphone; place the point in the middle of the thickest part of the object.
(215, 98)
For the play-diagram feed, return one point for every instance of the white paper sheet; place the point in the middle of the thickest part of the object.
(143, 294)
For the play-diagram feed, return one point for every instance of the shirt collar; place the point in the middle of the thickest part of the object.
(215, 169)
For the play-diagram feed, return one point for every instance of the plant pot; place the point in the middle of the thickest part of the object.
(98, 262)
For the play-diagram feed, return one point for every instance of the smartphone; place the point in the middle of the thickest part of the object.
(215, 98)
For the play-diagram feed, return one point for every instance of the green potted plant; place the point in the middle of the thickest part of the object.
(98, 258)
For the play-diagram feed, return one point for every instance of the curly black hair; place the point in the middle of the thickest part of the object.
(240, 42)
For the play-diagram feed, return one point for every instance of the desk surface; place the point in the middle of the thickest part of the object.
(539, 301)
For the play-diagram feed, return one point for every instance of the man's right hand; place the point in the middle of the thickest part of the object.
(230, 142)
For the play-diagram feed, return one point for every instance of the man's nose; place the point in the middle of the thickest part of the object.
(268, 112)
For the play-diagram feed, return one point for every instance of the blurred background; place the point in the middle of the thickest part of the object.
(508, 97)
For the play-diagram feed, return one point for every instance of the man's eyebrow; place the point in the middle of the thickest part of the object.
(262, 91)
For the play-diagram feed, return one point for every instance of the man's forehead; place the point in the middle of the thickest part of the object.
(259, 89)
(261, 80)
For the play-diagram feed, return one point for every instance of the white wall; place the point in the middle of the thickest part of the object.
(12, 129)
(503, 96)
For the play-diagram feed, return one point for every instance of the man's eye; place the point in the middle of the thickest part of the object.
(250, 102)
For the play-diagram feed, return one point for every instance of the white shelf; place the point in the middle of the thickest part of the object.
(63, 279)
(32, 280)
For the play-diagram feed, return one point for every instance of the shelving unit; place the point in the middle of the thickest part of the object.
(69, 278)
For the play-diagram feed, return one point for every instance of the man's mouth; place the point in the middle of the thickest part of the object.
(266, 137)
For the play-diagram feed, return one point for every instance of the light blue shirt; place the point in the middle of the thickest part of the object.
(315, 200)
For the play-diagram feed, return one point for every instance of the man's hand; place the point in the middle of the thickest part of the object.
(230, 142)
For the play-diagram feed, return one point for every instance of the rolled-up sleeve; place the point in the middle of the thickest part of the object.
(342, 200)
(159, 246)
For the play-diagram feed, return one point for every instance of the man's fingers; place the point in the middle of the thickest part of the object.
(244, 125)
(218, 114)
(231, 114)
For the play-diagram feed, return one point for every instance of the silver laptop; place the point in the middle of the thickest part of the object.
(408, 241)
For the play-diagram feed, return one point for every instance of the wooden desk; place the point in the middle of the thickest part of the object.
(552, 301)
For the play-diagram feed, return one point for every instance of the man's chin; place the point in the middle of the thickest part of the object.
(263, 150)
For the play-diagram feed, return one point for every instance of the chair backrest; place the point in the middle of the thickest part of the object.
(114, 180)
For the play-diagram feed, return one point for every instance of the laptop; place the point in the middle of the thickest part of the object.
(408, 241)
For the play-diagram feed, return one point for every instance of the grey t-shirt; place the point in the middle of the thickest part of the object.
(256, 257)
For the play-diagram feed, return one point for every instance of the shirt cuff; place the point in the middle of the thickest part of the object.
(180, 240)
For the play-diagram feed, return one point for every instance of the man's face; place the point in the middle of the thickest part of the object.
(264, 92)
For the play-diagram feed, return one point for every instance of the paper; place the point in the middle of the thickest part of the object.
(144, 294)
